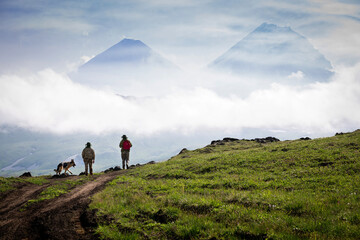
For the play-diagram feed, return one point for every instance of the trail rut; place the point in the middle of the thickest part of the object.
(65, 217)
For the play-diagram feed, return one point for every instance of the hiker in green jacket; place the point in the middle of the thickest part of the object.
(88, 155)
(125, 146)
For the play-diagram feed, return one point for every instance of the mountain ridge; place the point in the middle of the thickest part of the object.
(127, 51)
(280, 51)
(129, 67)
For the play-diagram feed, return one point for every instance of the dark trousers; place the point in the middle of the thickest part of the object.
(88, 165)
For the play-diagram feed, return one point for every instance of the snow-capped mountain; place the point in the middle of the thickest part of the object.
(129, 67)
(128, 52)
(275, 51)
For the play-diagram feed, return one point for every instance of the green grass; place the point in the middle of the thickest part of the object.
(240, 190)
(7, 184)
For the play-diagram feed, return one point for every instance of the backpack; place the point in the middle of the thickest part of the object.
(126, 145)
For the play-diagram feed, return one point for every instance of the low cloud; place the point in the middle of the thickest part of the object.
(74, 66)
(51, 102)
(296, 75)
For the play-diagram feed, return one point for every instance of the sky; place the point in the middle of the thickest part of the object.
(42, 42)
(59, 34)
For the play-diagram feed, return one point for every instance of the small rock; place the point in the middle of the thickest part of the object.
(117, 168)
(184, 150)
(215, 142)
(324, 164)
(26, 174)
(109, 170)
(63, 175)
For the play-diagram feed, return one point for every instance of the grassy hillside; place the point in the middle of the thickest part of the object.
(241, 190)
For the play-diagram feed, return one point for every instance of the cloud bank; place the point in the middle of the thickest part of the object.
(50, 102)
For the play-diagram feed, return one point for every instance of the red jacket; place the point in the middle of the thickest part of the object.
(125, 145)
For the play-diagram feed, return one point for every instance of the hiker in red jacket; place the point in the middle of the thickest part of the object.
(125, 146)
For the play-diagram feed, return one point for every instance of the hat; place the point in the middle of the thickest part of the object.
(124, 137)
(88, 144)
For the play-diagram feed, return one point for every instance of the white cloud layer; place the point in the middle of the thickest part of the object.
(51, 102)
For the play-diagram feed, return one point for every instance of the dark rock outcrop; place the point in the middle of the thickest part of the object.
(258, 140)
(26, 174)
(265, 140)
(225, 140)
(229, 139)
(184, 150)
(116, 168)
(217, 142)
(135, 165)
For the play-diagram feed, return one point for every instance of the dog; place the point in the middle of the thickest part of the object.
(65, 166)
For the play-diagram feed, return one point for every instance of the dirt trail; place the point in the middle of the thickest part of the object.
(65, 217)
